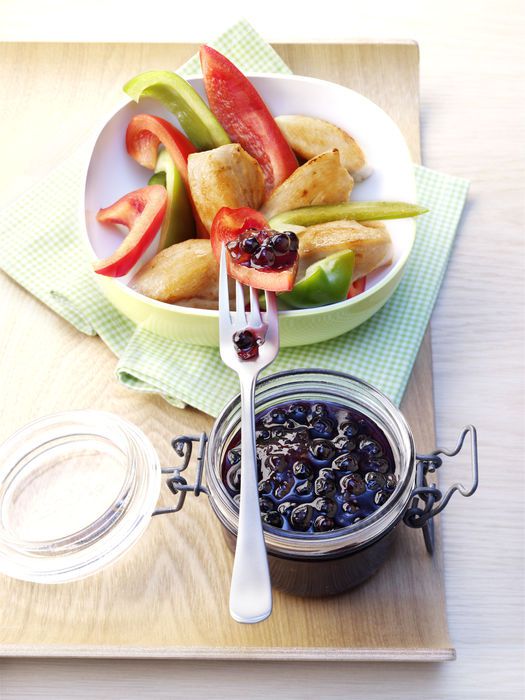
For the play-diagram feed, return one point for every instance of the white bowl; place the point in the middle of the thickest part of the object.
(111, 173)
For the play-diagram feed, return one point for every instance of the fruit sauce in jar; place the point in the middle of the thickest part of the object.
(321, 466)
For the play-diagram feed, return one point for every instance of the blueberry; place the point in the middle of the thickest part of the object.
(233, 477)
(322, 428)
(234, 456)
(345, 463)
(276, 462)
(244, 340)
(377, 465)
(302, 469)
(344, 444)
(370, 447)
(286, 508)
(323, 524)
(250, 245)
(349, 428)
(263, 435)
(298, 412)
(280, 243)
(273, 518)
(325, 506)
(319, 409)
(324, 486)
(265, 486)
(264, 257)
(305, 488)
(381, 497)
(282, 489)
(265, 504)
(353, 484)
(294, 241)
(278, 416)
(391, 482)
(375, 481)
(301, 517)
(323, 450)
(351, 506)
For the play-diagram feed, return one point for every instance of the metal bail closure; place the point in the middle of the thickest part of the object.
(177, 484)
(425, 496)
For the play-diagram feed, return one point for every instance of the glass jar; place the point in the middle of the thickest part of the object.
(324, 563)
(78, 489)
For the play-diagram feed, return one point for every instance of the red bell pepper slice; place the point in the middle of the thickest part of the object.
(228, 225)
(357, 287)
(245, 117)
(142, 212)
(145, 133)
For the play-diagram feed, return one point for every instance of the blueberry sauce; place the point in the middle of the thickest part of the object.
(246, 344)
(321, 466)
(264, 249)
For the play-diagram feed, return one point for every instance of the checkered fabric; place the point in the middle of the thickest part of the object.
(42, 250)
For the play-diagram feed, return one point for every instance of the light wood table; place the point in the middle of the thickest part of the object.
(472, 115)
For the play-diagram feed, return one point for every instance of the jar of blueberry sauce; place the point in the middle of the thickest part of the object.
(338, 478)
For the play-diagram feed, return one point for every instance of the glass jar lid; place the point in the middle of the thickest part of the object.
(77, 490)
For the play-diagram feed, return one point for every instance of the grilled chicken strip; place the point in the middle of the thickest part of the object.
(224, 177)
(322, 180)
(308, 137)
(369, 240)
(183, 273)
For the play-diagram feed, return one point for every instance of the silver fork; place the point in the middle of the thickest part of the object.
(250, 591)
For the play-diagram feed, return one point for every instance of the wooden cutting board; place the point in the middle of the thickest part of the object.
(169, 596)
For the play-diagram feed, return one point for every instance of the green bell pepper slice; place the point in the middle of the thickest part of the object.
(158, 178)
(325, 282)
(353, 211)
(195, 117)
(178, 223)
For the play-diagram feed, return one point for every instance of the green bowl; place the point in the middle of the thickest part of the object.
(111, 173)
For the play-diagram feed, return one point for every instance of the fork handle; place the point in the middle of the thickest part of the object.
(251, 591)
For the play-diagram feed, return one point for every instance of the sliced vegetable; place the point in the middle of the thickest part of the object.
(194, 115)
(178, 224)
(351, 211)
(142, 212)
(309, 136)
(224, 177)
(254, 256)
(325, 282)
(158, 178)
(247, 120)
(145, 133)
(357, 287)
(322, 180)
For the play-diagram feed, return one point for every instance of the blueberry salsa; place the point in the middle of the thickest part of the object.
(321, 466)
(264, 249)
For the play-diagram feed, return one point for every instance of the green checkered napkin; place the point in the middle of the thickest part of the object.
(42, 250)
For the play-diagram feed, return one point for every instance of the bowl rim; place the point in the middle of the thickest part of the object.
(214, 313)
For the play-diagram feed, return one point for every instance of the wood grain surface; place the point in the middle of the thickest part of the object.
(168, 597)
(472, 111)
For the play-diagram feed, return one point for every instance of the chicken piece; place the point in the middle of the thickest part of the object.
(369, 240)
(308, 136)
(224, 177)
(322, 180)
(183, 273)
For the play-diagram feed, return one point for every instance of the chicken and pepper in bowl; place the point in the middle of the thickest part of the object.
(280, 192)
